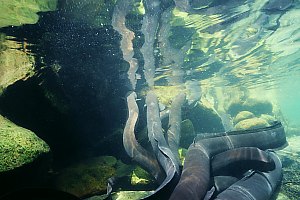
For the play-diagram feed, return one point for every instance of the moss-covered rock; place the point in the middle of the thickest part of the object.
(140, 177)
(242, 116)
(269, 118)
(122, 195)
(204, 119)
(256, 106)
(123, 169)
(252, 123)
(16, 12)
(15, 64)
(182, 153)
(18, 146)
(87, 178)
(281, 196)
(187, 134)
(132, 195)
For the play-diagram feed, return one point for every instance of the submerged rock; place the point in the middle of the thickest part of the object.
(122, 195)
(251, 123)
(187, 134)
(16, 13)
(140, 177)
(18, 146)
(204, 119)
(242, 116)
(182, 154)
(256, 106)
(15, 63)
(87, 178)
(281, 196)
(269, 118)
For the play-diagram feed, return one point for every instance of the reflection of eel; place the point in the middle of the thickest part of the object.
(195, 177)
(173, 133)
(121, 9)
(255, 186)
(161, 148)
(149, 29)
(133, 148)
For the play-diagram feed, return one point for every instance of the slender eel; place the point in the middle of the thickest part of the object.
(161, 149)
(133, 148)
(221, 183)
(256, 185)
(243, 158)
(201, 136)
(229, 166)
(194, 181)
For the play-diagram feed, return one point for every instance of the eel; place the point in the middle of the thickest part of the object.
(229, 166)
(278, 5)
(240, 159)
(195, 177)
(161, 149)
(256, 185)
(133, 148)
(221, 183)
(201, 136)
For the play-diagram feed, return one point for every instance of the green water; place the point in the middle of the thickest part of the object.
(289, 96)
(65, 74)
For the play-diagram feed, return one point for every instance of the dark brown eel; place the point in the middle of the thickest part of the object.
(133, 148)
(163, 153)
(195, 177)
(256, 185)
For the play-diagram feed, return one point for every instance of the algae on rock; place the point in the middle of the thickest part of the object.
(134, 195)
(17, 13)
(15, 64)
(87, 178)
(251, 123)
(242, 116)
(18, 146)
(187, 134)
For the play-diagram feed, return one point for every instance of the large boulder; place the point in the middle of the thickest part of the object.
(18, 146)
(242, 116)
(269, 118)
(251, 123)
(187, 134)
(88, 177)
(16, 12)
(15, 63)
